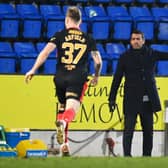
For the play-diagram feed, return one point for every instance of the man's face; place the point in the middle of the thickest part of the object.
(137, 41)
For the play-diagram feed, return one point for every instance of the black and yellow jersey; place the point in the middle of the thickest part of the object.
(73, 47)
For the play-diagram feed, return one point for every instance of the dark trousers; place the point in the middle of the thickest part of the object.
(146, 117)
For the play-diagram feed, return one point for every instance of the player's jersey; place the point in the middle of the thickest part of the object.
(73, 47)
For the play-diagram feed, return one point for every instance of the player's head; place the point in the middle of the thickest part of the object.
(73, 16)
(137, 39)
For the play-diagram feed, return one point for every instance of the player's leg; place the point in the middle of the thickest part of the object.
(62, 131)
(60, 93)
(60, 127)
(73, 101)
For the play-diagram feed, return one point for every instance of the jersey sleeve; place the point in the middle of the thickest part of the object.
(54, 38)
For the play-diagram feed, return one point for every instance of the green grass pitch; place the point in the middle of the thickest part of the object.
(85, 162)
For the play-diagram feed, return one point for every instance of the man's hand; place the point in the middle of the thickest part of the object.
(112, 106)
(94, 81)
(29, 76)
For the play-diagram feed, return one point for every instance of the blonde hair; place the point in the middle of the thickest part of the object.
(74, 13)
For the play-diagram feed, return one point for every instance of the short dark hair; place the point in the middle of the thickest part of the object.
(74, 13)
(138, 32)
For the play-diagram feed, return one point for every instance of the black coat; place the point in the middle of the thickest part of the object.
(138, 67)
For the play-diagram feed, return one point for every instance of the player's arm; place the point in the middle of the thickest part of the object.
(97, 65)
(40, 60)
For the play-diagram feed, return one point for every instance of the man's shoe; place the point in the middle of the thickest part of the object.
(65, 149)
(60, 132)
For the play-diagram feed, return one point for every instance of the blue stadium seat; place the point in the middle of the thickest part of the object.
(123, 1)
(162, 67)
(143, 20)
(41, 45)
(7, 58)
(120, 20)
(161, 17)
(114, 65)
(104, 67)
(102, 51)
(163, 2)
(6, 48)
(9, 22)
(31, 21)
(102, 1)
(54, 19)
(26, 53)
(98, 20)
(7, 65)
(51, 62)
(163, 30)
(50, 66)
(118, 13)
(146, 1)
(81, 1)
(160, 47)
(159, 12)
(114, 50)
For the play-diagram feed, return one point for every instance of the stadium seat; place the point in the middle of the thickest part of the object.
(146, 1)
(162, 66)
(31, 24)
(114, 65)
(28, 1)
(163, 30)
(161, 18)
(26, 54)
(114, 50)
(41, 45)
(7, 58)
(143, 21)
(51, 11)
(120, 20)
(159, 12)
(160, 47)
(118, 13)
(6, 49)
(102, 1)
(102, 51)
(123, 1)
(50, 66)
(54, 19)
(98, 20)
(163, 2)
(9, 22)
(103, 70)
(85, 1)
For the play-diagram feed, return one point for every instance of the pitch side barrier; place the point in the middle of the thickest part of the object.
(34, 105)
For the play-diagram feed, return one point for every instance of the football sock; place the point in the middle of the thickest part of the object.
(69, 115)
(85, 86)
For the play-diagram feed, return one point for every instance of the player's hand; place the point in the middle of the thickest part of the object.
(29, 75)
(112, 106)
(94, 81)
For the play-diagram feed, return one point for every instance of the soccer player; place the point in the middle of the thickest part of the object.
(73, 47)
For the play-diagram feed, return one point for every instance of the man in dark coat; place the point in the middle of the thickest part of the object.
(137, 64)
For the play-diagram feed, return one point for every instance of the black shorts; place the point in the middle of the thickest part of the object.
(69, 86)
